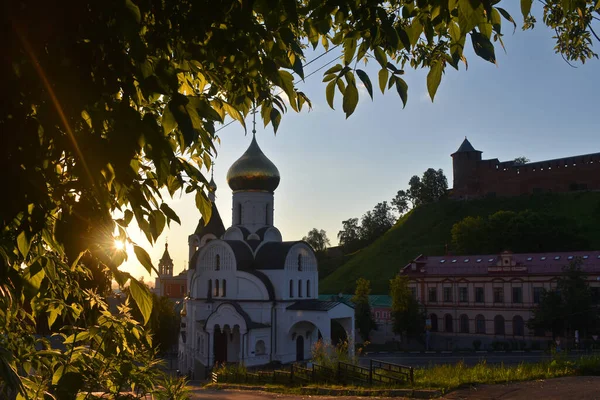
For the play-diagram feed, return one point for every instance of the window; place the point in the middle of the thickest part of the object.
(447, 294)
(464, 324)
(377, 315)
(518, 326)
(224, 288)
(543, 258)
(490, 260)
(466, 260)
(239, 213)
(463, 294)
(537, 294)
(209, 293)
(557, 258)
(217, 262)
(432, 295)
(585, 257)
(434, 323)
(442, 261)
(453, 261)
(291, 288)
(259, 348)
(216, 288)
(299, 262)
(308, 288)
(413, 292)
(480, 324)
(267, 214)
(517, 295)
(499, 325)
(448, 323)
(300, 288)
(529, 258)
(479, 260)
(570, 258)
(498, 295)
(479, 297)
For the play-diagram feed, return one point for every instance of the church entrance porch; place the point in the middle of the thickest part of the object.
(225, 328)
(300, 348)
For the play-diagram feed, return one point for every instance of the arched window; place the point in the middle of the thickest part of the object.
(499, 325)
(299, 262)
(480, 324)
(239, 213)
(308, 288)
(259, 348)
(209, 293)
(267, 214)
(464, 324)
(224, 293)
(216, 288)
(217, 262)
(300, 288)
(518, 326)
(291, 288)
(434, 323)
(448, 323)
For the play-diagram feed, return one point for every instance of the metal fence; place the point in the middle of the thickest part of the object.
(379, 373)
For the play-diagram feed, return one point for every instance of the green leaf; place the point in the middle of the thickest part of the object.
(330, 93)
(383, 78)
(142, 297)
(159, 222)
(366, 81)
(434, 77)
(526, 7)
(204, 205)
(483, 47)
(275, 118)
(402, 89)
(380, 56)
(170, 213)
(23, 243)
(234, 113)
(470, 13)
(350, 99)
(349, 49)
(134, 10)
(58, 373)
(144, 258)
(507, 16)
(334, 69)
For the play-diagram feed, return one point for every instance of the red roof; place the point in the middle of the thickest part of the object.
(491, 264)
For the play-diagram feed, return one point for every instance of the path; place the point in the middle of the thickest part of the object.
(576, 388)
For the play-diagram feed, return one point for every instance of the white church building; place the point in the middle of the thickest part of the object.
(253, 298)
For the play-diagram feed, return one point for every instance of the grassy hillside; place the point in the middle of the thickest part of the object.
(426, 230)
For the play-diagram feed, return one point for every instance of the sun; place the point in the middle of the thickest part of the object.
(119, 245)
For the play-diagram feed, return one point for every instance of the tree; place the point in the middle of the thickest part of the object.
(376, 223)
(363, 317)
(407, 315)
(317, 239)
(163, 324)
(431, 187)
(569, 306)
(349, 236)
(521, 160)
(108, 105)
(400, 202)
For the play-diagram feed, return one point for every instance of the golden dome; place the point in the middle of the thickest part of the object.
(253, 171)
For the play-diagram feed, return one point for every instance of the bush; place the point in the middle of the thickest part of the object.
(476, 344)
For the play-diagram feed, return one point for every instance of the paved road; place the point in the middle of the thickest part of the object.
(256, 395)
(424, 360)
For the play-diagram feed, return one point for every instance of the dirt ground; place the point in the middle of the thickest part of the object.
(577, 388)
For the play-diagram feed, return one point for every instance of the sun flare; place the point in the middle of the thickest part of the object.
(119, 245)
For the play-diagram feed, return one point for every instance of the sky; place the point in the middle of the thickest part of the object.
(532, 104)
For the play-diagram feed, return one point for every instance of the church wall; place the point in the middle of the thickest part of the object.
(256, 209)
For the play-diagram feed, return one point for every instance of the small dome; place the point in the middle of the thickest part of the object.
(212, 185)
(253, 171)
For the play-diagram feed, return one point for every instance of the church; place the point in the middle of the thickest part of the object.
(253, 298)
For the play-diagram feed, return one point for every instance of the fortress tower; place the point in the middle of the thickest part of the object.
(464, 168)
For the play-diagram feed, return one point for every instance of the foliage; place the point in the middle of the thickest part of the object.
(363, 317)
(569, 306)
(374, 224)
(426, 230)
(328, 355)
(163, 324)
(349, 236)
(524, 231)
(108, 106)
(317, 239)
(408, 317)
(431, 187)
(521, 160)
(172, 388)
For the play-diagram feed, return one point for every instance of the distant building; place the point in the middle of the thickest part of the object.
(474, 177)
(489, 297)
(174, 287)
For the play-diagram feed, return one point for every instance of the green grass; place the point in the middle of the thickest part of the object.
(445, 378)
(426, 230)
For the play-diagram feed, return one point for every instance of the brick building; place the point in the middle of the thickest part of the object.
(174, 287)
(474, 177)
(489, 297)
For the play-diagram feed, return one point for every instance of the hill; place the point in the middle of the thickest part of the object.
(426, 230)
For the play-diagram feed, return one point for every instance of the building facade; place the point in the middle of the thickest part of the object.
(173, 287)
(489, 297)
(253, 297)
(475, 177)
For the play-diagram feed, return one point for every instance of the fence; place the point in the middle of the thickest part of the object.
(378, 373)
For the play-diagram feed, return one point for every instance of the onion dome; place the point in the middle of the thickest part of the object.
(253, 171)
(212, 185)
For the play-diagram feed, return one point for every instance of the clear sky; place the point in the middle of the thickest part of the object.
(531, 104)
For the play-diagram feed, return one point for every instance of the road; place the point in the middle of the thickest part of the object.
(425, 359)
